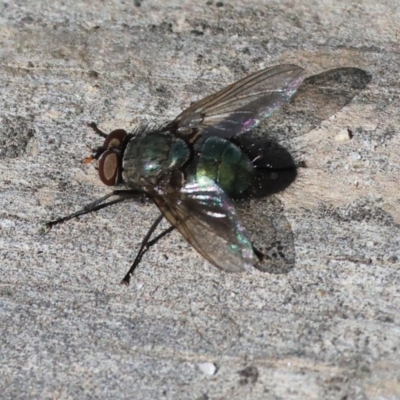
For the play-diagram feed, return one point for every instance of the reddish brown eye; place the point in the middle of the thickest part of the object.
(109, 163)
(115, 139)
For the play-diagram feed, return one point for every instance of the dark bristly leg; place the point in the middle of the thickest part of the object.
(96, 205)
(160, 236)
(84, 211)
(139, 256)
(258, 253)
(94, 126)
(99, 204)
(146, 244)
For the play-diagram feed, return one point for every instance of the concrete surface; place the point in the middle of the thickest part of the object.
(329, 329)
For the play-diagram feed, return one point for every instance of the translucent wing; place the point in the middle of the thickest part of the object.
(319, 97)
(241, 106)
(272, 144)
(207, 218)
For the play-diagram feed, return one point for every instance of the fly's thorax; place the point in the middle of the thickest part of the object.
(151, 156)
(223, 162)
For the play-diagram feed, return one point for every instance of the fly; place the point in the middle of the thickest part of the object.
(212, 171)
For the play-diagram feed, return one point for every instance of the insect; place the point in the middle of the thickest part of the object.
(214, 166)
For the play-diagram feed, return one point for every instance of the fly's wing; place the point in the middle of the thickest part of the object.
(242, 105)
(270, 233)
(207, 218)
(319, 97)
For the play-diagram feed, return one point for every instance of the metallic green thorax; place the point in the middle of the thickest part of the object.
(149, 157)
(224, 163)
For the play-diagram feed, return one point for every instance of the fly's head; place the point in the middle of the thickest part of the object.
(108, 157)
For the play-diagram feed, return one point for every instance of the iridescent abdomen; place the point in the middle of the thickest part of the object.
(224, 163)
(149, 157)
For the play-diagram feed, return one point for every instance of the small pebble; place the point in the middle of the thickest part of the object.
(207, 368)
(343, 136)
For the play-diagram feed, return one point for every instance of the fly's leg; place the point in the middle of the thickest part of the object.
(145, 246)
(97, 205)
(96, 129)
(100, 204)
(258, 253)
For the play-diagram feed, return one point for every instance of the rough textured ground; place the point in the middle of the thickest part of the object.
(329, 329)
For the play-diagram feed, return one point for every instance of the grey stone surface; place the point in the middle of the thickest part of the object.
(329, 329)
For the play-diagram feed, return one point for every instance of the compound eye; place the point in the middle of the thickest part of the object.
(115, 138)
(109, 166)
